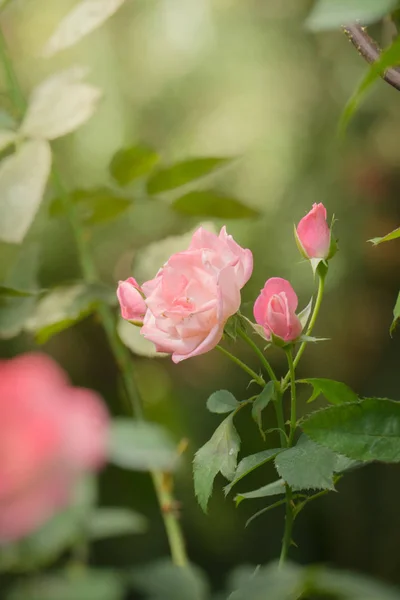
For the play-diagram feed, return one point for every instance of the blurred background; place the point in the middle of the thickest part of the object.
(226, 78)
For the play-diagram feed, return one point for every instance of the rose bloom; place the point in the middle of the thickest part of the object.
(194, 294)
(313, 233)
(133, 306)
(275, 309)
(50, 433)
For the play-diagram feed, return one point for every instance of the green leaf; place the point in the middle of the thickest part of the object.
(207, 203)
(388, 58)
(396, 315)
(272, 582)
(131, 163)
(307, 466)
(304, 315)
(219, 454)
(165, 581)
(275, 488)
(334, 391)
(332, 14)
(94, 206)
(221, 402)
(346, 585)
(7, 291)
(364, 430)
(141, 446)
(184, 172)
(132, 338)
(261, 402)
(109, 522)
(250, 463)
(393, 235)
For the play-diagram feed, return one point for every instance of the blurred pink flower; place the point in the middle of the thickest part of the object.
(275, 309)
(50, 433)
(133, 307)
(313, 233)
(194, 294)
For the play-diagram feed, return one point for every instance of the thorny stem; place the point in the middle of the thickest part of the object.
(163, 487)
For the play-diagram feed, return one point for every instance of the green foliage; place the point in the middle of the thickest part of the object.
(94, 206)
(179, 174)
(207, 203)
(109, 522)
(131, 163)
(332, 14)
(221, 402)
(250, 463)
(334, 391)
(218, 455)
(393, 235)
(7, 291)
(141, 446)
(275, 488)
(364, 430)
(261, 402)
(396, 315)
(272, 583)
(164, 581)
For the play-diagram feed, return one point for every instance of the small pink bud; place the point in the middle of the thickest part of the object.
(133, 306)
(275, 308)
(313, 233)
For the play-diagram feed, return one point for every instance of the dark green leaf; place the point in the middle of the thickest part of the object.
(141, 446)
(94, 206)
(332, 14)
(364, 430)
(165, 581)
(182, 173)
(396, 315)
(307, 466)
(109, 522)
(334, 391)
(393, 235)
(208, 203)
(271, 489)
(262, 402)
(221, 402)
(219, 454)
(131, 163)
(250, 463)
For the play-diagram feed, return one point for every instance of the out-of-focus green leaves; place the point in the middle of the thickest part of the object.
(141, 446)
(218, 455)
(23, 178)
(261, 402)
(275, 488)
(335, 392)
(364, 430)
(250, 463)
(165, 581)
(273, 583)
(16, 293)
(83, 18)
(208, 203)
(7, 138)
(393, 235)
(170, 178)
(132, 338)
(131, 163)
(388, 58)
(331, 14)
(351, 586)
(396, 315)
(94, 206)
(221, 402)
(110, 522)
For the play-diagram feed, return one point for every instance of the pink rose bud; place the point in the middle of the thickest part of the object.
(133, 306)
(194, 294)
(313, 233)
(50, 434)
(275, 309)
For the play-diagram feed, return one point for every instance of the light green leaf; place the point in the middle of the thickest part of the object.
(93, 206)
(393, 235)
(272, 582)
(182, 173)
(364, 430)
(23, 178)
(59, 105)
(219, 454)
(83, 18)
(141, 446)
(332, 14)
(396, 315)
(250, 463)
(275, 488)
(165, 581)
(207, 203)
(132, 338)
(304, 315)
(307, 466)
(221, 402)
(110, 522)
(130, 163)
(334, 391)
(261, 402)
(346, 585)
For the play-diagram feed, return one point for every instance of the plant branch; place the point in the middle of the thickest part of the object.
(257, 378)
(259, 353)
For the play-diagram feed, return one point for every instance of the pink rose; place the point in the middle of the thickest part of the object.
(194, 294)
(313, 233)
(133, 306)
(275, 308)
(50, 433)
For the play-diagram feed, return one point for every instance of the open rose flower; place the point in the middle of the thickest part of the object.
(313, 233)
(194, 294)
(275, 309)
(50, 433)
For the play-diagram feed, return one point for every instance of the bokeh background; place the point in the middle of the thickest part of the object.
(244, 79)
